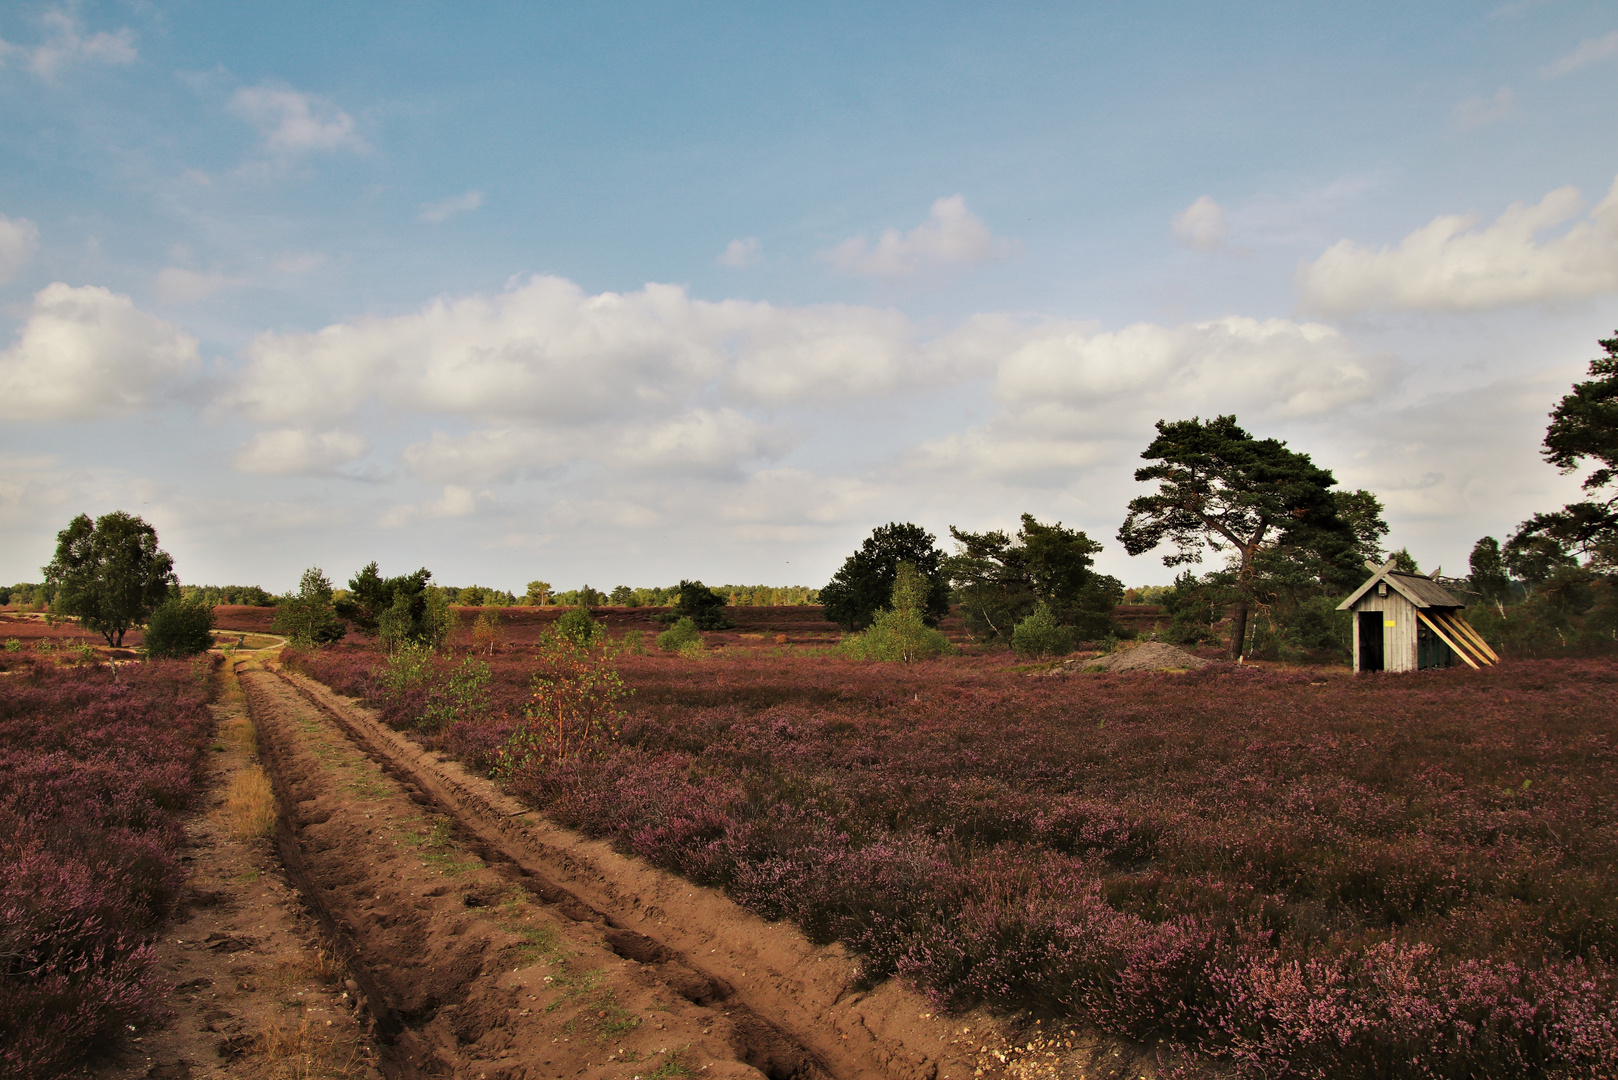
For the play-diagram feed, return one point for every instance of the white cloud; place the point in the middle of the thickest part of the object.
(710, 442)
(781, 503)
(1072, 398)
(293, 122)
(66, 42)
(488, 454)
(295, 452)
(177, 285)
(741, 253)
(951, 236)
(448, 207)
(1476, 112)
(1450, 265)
(87, 352)
(545, 352)
(455, 502)
(1201, 225)
(19, 240)
(1589, 51)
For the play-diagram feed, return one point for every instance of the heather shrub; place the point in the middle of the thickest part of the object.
(92, 767)
(1342, 882)
(1041, 635)
(179, 628)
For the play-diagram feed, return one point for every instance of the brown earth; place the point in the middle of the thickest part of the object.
(1147, 656)
(409, 920)
(488, 944)
(255, 989)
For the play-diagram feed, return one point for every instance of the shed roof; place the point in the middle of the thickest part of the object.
(1422, 591)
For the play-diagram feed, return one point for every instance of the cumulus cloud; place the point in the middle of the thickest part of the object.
(446, 208)
(1451, 265)
(295, 452)
(1476, 112)
(710, 442)
(741, 253)
(545, 352)
(951, 236)
(19, 240)
(1201, 225)
(87, 352)
(1073, 397)
(1589, 51)
(292, 122)
(66, 42)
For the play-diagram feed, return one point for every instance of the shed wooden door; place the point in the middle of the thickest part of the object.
(1370, 640)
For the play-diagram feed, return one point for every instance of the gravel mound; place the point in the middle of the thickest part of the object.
(1147, 656)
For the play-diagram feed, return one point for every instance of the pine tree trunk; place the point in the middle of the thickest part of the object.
(1238, 630)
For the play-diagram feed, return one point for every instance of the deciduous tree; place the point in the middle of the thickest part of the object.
(110, 573)
(865, 582)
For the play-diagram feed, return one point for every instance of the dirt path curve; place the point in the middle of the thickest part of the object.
(491, 945)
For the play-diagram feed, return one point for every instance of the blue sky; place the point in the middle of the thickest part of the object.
(628, 293)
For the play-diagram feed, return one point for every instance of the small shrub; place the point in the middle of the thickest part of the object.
(460, 694)
(486, 630)
(632, 643)
(572, 711)
(179, 628)
(896, 637)
(900, 634)
(13, 645)
(578, 629)
(680, 638)
(1041, 635)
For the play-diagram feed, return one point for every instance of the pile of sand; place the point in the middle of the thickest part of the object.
(1147, 656)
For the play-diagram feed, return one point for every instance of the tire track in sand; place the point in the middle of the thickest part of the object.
(493, 945)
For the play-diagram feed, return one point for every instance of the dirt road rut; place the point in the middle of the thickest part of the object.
(490, 945)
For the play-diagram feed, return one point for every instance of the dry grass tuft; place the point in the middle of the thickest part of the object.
(321, 965)
(240, 731)
(250, 804)
(303, 1051)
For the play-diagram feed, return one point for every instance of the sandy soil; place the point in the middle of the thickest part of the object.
(1147, 656)
(254, 987)
(488, 944)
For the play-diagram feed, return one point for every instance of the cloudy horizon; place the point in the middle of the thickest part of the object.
(623, 296)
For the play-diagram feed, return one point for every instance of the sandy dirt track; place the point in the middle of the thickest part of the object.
(491, 945)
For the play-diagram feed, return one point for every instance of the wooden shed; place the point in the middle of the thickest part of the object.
(1406, 622)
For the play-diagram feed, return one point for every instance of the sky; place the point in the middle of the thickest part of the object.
(628, 293)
